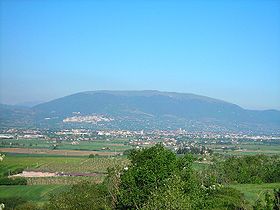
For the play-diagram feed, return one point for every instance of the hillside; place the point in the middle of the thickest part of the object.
(151, 110)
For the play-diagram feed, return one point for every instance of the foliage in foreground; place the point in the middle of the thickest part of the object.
(270, 201)
(157, 179)
(244, 170)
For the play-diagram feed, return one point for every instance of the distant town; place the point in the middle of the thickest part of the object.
(173, 139)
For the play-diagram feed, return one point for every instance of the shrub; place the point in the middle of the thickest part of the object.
(270, 200)
(12, 202)
(13, 172)
(13, 181)
(91, 156)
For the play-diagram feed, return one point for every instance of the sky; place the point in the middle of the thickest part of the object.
(225, 49)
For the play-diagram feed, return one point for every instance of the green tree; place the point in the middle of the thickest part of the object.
(146, 174)
(170, 196)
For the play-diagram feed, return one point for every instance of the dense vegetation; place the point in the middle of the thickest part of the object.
(158, 179)
(269, 201)
(245, 169)
(13, 181)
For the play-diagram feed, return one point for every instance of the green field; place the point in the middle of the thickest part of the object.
(118, 145)
(246, 149)
(253, 191)
(60, 164)
(38, 188)
(36, 193)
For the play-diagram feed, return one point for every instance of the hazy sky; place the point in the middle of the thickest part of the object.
(228, 50)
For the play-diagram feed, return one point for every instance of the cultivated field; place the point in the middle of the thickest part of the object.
(246, 149)
(41, 156)
(57, 152)
(38, 188)
(114, 145)
(61, 164)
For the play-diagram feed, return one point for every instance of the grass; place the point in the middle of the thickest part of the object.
(36, 193)
(253, 191)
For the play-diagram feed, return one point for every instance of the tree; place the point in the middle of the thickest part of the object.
(170, 196)
(146, 174)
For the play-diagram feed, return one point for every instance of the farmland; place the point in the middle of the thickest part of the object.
(60, 164)
(76, 158)
(56, 152)
(246, 148)
(115, 145)
(39, 188)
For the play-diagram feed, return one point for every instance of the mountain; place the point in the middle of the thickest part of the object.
(151, 110)
(29, 103)
(16, 116)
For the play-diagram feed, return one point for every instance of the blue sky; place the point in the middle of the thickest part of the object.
(228, 50)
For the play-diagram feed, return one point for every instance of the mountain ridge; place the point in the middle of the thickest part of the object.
(152, 109)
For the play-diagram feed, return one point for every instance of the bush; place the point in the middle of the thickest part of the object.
(12, 202)
(13, 172)
(13, 181)
(270, 200)
(91, 156)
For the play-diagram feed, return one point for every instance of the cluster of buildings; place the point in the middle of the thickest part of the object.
(170, 138)
(87, 119)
